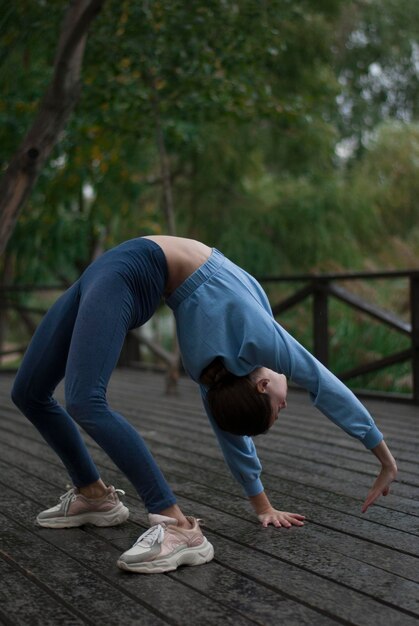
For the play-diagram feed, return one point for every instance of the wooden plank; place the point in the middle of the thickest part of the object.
(281, 480)
(386, 535)
(258, 600)
(303, 552)
(288, 485)
(342, 567)
(311, 550)
(320, 508)
(237, 553)
(188, 403)
(287, 491)
(87, 574)
(343, 603)
(24, 601)
(323, 542)
(283, 477)
(315, 421)
(67, 579)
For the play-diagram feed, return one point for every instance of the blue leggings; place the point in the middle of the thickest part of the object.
(80, 339)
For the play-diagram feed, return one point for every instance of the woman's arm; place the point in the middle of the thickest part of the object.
(273, 347)
(239, 453)
(241, 457)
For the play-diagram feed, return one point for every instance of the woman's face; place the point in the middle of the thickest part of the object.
(275, 385)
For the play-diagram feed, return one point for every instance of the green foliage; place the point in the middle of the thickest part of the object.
(390, 166)
(377, 56)
(28, 37)
(257, 69)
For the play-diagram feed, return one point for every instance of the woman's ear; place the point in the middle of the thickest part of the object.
(262, 384)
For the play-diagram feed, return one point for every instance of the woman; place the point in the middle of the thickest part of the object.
(230, 344)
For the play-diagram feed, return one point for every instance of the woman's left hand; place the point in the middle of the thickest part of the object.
(388, 473)
(280, 518)
(381, 486)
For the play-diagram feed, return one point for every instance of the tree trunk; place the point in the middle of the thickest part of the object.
(168, 204)
(54, 111)
(5, 280)
(169, 213)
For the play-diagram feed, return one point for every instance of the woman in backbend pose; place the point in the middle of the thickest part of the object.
(231, 345)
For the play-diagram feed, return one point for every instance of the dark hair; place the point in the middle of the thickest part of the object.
(235, 403)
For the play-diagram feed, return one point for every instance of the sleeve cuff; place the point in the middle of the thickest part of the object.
(253, 488)
(372, 438)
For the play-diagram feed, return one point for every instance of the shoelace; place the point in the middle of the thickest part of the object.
(69, 497)
(151, 536)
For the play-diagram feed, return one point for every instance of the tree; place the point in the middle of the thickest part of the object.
(249, 79)
(376, 59)
(54, 111)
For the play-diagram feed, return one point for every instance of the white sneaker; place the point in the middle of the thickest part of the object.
(74, 509)
(165, 546)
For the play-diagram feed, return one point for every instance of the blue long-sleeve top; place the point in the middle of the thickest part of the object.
(222, 311)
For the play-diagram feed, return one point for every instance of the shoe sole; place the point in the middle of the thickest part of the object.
(190, 556)
(112, 518)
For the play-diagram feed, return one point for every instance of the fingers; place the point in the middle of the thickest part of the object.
(275, 522)
(369, 500)
(381, 487)
(284, 520)
(364, 507)
(296, 519)
(373, 496)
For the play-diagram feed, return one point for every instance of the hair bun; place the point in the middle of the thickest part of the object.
(214, 373)
(220, 375)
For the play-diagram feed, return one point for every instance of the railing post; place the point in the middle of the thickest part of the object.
(321, 321)
(414, 312)
(2, 323)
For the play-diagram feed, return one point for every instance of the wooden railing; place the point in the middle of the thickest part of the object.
(320, 288)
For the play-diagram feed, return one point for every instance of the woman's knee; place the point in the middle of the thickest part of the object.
(85, 409)
(77, 408)
(18, 394)
(30, 399)
(24, 395)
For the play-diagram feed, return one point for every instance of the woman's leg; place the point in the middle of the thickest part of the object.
(41, 370)
(104, 317)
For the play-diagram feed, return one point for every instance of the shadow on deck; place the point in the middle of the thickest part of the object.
(342, 567)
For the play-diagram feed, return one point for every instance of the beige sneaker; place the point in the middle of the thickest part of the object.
(164, 547)
(74, 509)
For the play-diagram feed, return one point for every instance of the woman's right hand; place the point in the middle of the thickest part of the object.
(280, 518)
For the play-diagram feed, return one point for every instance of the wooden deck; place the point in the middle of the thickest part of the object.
(342, 567)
